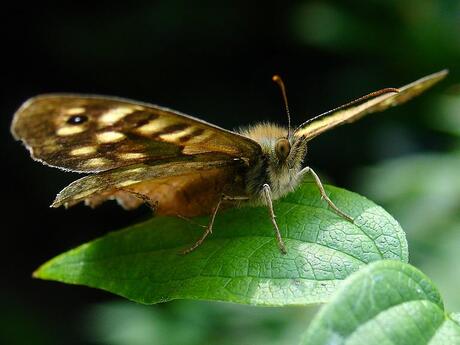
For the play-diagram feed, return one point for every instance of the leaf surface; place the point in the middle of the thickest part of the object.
(240, 262)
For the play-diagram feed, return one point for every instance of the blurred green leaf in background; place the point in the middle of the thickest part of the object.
(193, 323)
(386, 302)
(423, 193)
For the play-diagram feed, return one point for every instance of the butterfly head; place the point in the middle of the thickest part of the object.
(281, 159)
(285, 159)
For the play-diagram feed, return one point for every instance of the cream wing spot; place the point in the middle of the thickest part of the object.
(96, 162)
(154, 126)
(131, 155)
(84, 194)
(110, 137)
(114, 115)
(176, 136)
(130, 171)
(198, 135)
(69, 130)
(128, 183)
(82, 151)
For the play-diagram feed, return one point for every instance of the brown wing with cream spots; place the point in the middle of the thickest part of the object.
(320, 124)
(189, 186)
(96, 133)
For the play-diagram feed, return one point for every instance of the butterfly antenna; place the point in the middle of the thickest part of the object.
(358, 100)
(277, 79)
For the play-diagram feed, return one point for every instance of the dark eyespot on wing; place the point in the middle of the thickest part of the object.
(77, 119)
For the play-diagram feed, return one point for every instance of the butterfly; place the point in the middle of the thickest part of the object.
(140, 153)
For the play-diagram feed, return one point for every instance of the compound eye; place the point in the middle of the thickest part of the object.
(282, 148)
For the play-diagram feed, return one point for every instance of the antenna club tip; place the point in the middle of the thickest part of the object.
(276, 78)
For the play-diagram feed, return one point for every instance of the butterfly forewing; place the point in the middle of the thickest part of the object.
(321, 124)
(97, 133)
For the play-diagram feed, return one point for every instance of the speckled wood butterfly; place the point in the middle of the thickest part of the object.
(178, 164)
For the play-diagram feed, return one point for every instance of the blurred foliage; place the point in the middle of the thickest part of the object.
(188, 322)
(445, 113)
(423, 193)
(399, 32)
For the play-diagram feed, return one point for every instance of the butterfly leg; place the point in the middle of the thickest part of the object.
(207, 231)
(191, 221)
(324, 196)
(153, 204)
(209, 227)
(268, 199)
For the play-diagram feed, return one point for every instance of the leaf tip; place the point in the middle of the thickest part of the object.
(39, 272)
(36, 274)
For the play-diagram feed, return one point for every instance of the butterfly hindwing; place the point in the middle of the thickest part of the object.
(184, 183)
(97, 133)
(316, 126)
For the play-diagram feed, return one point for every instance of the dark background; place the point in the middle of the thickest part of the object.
(213, 60)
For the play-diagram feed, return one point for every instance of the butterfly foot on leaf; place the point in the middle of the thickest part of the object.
(323, 194)
(152, 204)
(191, 221)
(207, 231)
(282, 247)
(337, 210)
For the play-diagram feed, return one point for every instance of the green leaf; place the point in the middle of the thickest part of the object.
(240, 262)
(427, 207)
(385, 303)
